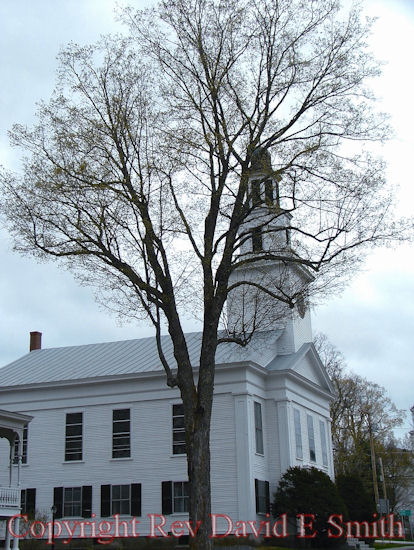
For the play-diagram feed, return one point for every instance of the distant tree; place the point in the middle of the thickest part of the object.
(309, 491)
(361, 409)
(398, 461)
(137, 174)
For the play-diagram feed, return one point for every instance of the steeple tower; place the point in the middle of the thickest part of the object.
(267, 267)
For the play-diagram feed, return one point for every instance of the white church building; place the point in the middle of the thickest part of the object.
(106, 435)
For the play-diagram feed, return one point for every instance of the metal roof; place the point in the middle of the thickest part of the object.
(125, 357)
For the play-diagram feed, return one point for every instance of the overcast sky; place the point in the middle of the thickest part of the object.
(372, 323)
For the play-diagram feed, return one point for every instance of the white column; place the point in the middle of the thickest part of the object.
(245, 482)
(16, 530)
(285, 435)
(19, 458)
(7, 541)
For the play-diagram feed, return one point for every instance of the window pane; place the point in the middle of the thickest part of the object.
(121, 433)
(311, 436)
(73, 440)
(178, 422)
(178, 409)
(178, 435)
(258, 427)
(181, 496)
(74, 418)
(121, 414)
(323, 443)
(298, 434)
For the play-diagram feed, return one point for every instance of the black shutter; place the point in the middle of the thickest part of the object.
(87, 501)
(256, 492)
(166, 489)
(31, 501)
(58, 501)
(136, 499)
(267, 489)
(105, 501)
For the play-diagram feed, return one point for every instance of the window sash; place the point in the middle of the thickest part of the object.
(178, 430)
(298, 434)
(262, 496)
(258, 423)
(121, 433)
(322, 429)
(181, 497)
(74, 436)
(311, 436)
(121, 499)
(72, 501)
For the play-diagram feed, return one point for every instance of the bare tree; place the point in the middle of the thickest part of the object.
(140, 175)
(361, 407)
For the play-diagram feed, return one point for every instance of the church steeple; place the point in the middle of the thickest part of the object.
(266, 234)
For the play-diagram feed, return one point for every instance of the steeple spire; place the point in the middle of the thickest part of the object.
(266, 235)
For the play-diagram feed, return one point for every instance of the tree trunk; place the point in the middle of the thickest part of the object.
(198, 456)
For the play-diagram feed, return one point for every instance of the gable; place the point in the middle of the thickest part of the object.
(306, 364)
(307, 368)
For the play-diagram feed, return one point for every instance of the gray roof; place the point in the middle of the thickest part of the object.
(127, 357)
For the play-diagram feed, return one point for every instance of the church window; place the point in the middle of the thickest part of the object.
(121, 499)
(28, 501)
(121, 433)
(257, 239)
(298, 434)
(258, 424)
(178, 430)
(175, 497)
(72, 501)
(73, 439)
(269, 198)
(262, 496)
(311, 437)
(322, 429)
(256, 195)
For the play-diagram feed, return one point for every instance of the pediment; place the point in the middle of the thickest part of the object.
(305, 363)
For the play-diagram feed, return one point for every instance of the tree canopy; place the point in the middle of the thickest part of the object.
(137, 172)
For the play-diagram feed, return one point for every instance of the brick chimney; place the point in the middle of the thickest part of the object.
(35, 340)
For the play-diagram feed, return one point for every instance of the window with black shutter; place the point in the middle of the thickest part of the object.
(124, 500)
(58, 501)
(87, 501)
(262, 493)
(73, 501)
(175, 497)
(28, 501)
(136, 499)
(166, 496)
(105, 501)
